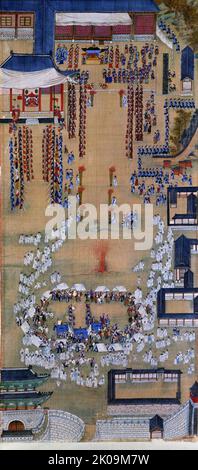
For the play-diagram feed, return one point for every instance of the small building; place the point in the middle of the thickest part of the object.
(192, 205)
(184, 248)
(129, 381)
(194, 392)
(182, 203)
(188, 279)
(20, 75)
(182, 261)
(187, 70)
(178, 307)
(156, 427)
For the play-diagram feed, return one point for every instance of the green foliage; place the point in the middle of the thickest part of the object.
(181, 122)
(186, 11)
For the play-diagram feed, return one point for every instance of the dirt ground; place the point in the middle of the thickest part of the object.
(149, 390)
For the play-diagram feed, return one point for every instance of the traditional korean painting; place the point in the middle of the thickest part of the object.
(99, 208)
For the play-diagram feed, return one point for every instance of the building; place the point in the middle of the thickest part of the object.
(184, 248)
(156, 427)
(194, 409)
(25, 97)
(182, 206)
(130, 379)
(18, 389)
(143, 420)
(187, 70)
(39, 21)
(177, 307)
(34, 81)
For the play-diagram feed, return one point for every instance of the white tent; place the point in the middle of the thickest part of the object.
(102, 289)
(42, 78)
(20, 71)
(101, 347)
(100, 19)
(119, 289)
(79, 287)
(115, 347)
(47, 295)
(62, 286)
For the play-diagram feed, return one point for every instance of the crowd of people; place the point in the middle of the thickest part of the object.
(180, 103)
(157, 149)
(72, 110)
(130, 114)
(21, 164)
(73, 57)
(82, 120)
(66, 350)
(171, 86)
(153, 182)
(30, 239)
(61, 54)
(170, 34)
(52, 163)
(70, 55)
(132, 65)
(139, 113)
(150, 118)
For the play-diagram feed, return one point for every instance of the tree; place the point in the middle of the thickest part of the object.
(181, 122)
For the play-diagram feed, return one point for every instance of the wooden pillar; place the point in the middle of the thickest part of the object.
(195, 81)
(11, 99)
(23, 101)
(51, 99)
(16, 24)
(62, 97)
(132, 16)
(39, 105)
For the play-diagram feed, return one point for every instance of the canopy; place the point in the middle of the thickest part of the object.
(119, 289)
(82, 332)
(115, 347)
(31, 71)
(62, 286)
(102, 19)
(21, 80)
(47, 295)
(102, 289)
(79, 287)
(97, 326)
(101, 347)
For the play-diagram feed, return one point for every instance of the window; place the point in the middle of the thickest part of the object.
(25, 21)
(5, 21)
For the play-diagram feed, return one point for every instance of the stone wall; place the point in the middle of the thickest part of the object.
(30, 418)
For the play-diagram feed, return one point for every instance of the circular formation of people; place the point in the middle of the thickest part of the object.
(80, 355)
